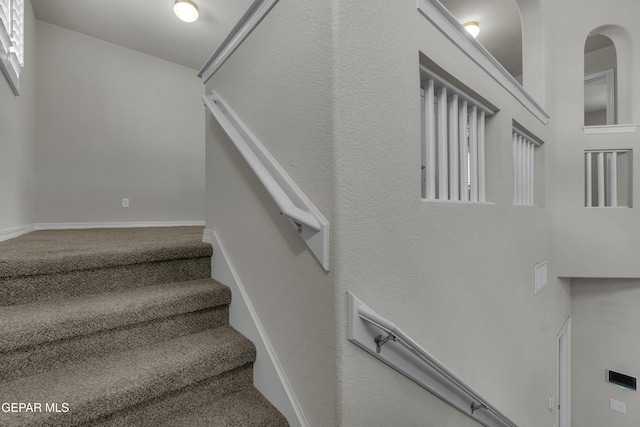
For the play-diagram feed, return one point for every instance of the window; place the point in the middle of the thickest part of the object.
(523, 169)
(12, 41)
(453, 142)
(607, 178)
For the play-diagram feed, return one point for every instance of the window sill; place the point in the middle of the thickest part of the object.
(455, 202)
(590, 130)
(608, 207)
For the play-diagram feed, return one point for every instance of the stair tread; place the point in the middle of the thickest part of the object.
(102, 386)
(242, 409)
(35, 323)
(54, 251)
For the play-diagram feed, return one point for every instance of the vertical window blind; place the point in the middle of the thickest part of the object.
(12, 41)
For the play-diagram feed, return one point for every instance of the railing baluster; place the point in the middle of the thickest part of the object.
(613, 179)
(516, 172)
(588, 180)
(443, 172)
(473, 153)
(528, 146)
(601, 193)
(430, 122)
(464, 152)
(454, 185)
(482, 180)
(523, 171)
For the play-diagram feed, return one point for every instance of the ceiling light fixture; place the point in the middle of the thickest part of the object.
(473, 27)
(186, 10)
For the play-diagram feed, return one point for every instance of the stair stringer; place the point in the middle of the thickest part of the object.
(268, 375)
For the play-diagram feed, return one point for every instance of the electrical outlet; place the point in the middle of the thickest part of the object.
(125, 203)
(618, 406)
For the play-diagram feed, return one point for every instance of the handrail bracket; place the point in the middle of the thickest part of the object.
(382, 341)
(477, 406)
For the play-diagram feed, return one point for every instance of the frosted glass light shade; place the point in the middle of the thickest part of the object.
(473, 28)
(186, 10)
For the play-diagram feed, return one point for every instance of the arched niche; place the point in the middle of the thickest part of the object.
(500, 30)
(533, 51)
(510, 30)
(600, 66)
(607, 64)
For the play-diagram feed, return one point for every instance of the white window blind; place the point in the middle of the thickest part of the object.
(12, 41)
(523, 168)
(453, 143)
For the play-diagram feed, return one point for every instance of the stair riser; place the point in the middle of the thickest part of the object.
(138, 376)
(56, 354)
(153, 413)
(27, 289)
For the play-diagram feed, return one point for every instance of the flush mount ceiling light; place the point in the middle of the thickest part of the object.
(186, 10)
(473, 28)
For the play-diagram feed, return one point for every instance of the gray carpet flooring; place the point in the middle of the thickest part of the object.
(121, 327)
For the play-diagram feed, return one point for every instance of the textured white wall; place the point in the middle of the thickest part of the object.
(113, 123)
(279, 83)
(605, 324)
(592, 242)
(17, 139)
(458, 278)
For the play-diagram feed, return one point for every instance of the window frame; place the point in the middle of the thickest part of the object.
(12, 42)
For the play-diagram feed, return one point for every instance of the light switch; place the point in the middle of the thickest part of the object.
(618, 406)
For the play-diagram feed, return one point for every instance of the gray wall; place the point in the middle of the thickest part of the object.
(592, 242)
(605, 325)
(458, 278)
(17, 139)
(114, 123)
(333, 91)
(279, 83)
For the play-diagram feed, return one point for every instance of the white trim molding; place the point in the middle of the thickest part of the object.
(384, 340)
(19, 231)
(311, 225)
(435, 12)
(249, 21)
(11, 233)
(603, 129)
(132, 224)
(268, 375)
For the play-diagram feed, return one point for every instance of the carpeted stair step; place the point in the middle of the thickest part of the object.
(244, 408)
(46, 265)
(181, 403)
(38, 336)
(121, 381)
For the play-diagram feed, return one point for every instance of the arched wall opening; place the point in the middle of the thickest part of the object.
(512, 32)
(608, 48)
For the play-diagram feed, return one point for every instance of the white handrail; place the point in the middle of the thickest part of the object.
(427, 371)
(249, 21)
(292, 202)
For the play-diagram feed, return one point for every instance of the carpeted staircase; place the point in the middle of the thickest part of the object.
(121, 327)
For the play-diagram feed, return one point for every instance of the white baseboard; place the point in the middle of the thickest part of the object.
(11, 233)
(268, 376)
(131, 224)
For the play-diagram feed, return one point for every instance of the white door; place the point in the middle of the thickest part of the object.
(564, 375)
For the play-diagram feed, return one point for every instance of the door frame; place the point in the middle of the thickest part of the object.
(563, 418)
